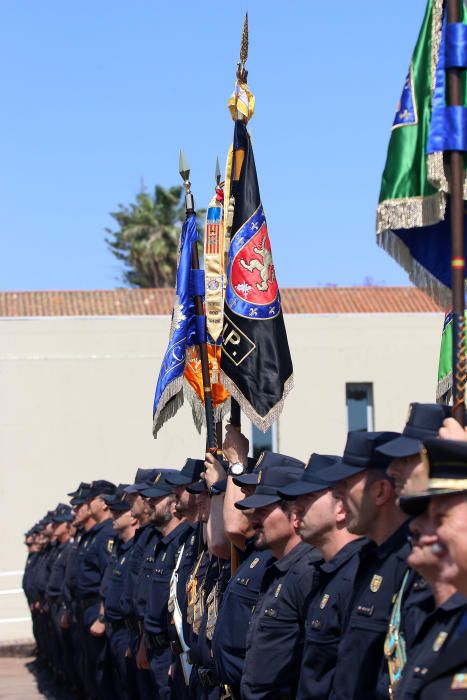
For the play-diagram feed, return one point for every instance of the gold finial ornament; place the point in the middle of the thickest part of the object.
(242, 73)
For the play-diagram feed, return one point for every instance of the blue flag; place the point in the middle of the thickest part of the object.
(183, 333)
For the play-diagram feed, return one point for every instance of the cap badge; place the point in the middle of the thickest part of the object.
(324, 601)
(254, 562)
(260, 476)
(376, 582)
(439, 641)
(409, 414)
(459, 682)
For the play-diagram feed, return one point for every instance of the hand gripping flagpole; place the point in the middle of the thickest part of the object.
(239, 155)
(457, 240)
(184, 170)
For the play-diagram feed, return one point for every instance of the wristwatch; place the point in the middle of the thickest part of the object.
(236, 469)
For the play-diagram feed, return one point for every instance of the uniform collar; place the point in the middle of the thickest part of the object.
(100, 526)
(124, 546)
(457, 600)
(343, 556)
(294, 555)
(176, 532)
(395, 542)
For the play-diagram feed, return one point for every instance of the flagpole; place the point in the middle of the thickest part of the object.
(199, 311)
(456, 182)
(237, 163)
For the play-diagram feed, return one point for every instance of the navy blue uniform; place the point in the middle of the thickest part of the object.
(204, 683)
(447, 678)
(117, 632)
(235, 611)
(156, 618)
(436, 630)
(325, 621)
(93, 556)
(360, 655)
(189, 556)
(276, 635)
(63, 647)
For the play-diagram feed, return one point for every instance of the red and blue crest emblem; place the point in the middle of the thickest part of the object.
(252, 291)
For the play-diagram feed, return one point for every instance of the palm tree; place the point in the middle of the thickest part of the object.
(147, 238)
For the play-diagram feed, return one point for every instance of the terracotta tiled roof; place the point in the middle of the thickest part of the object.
(146, 302)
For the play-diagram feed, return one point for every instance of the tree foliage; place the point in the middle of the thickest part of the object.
(147, 237)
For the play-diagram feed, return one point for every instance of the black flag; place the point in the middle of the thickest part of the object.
(256, 364)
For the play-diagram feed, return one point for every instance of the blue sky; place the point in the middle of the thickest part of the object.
(98, 97)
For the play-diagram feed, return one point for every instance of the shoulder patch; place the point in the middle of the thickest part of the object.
(459, 682)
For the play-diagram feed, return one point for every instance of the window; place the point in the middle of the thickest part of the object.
(359, 400)
(260, 441)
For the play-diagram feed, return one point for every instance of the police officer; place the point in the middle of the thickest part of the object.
(242, 592)
(446, 494)
(124, 525)
(174, 531)
(93, 557)
(83, 522)
(63, 660)
(277, 624)
(322, 524)
(189, 505)
(442, 612)
(406, 466)
(371, 510)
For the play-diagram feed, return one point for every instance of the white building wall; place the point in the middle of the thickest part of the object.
(76, 402)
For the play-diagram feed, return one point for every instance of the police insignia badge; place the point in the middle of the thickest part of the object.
(254, 562)
(277, 591)
(324, 601)
(157, 477)
(459, 682)
(376, 582)
(110, 544)
(439, 641)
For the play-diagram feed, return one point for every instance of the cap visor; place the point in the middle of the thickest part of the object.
(197, 487)
(178, 479)
(120, 507)
(154, 492)
(133, 488)
(414, 505)
(341, 470)
(257, 501)
(301, 488)
(400, 447)
(246, 479)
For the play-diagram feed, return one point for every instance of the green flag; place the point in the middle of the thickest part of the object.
(413, 215)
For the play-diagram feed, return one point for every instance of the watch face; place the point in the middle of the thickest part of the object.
(237, 469)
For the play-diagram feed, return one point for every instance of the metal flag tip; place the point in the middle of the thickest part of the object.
(183, 166)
